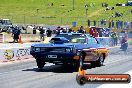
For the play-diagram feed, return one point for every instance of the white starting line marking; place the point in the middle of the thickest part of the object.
(129, 85)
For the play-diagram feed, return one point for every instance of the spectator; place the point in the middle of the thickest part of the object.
(88, 23)
(109, 24)
(124, 44)
(63, 30)
(52, 4)
(101, 33)
(41, 33)
(117, 24)
(114, 38)
(95, 33)
(102, 22)
(125, 25)
(121, 24)
(112, 23)
(94, 23)
(58, 30)
(81, 30)
(107, 32)
(49, 32)
(70, 30)
(105, 5)
(15, 32)
(34, 31)
(91, 31)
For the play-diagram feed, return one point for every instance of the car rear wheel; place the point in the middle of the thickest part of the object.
(99, 62)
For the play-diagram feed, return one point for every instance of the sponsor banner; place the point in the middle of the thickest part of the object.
(83, 78)
(103, 78)
(14, 54)
(118, 85)
(6, 55)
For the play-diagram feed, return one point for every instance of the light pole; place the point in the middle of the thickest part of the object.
(24, 18)
(86, 7)
(73, 8)
(37, 16)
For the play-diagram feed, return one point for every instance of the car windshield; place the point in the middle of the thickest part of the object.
(74, 38)
(78, 40)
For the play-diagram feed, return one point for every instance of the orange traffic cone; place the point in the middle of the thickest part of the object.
(20, 40)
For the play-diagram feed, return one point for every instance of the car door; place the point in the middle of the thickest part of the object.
(91, 50)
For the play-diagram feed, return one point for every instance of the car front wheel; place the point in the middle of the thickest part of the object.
(40, 63)
(75, 64)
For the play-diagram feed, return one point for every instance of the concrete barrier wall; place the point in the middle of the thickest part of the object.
(4, 38)
(24, 37)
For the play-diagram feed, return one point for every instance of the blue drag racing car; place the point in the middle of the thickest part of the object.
(69, 49)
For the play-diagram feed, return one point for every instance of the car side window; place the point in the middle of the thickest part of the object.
(92, 40)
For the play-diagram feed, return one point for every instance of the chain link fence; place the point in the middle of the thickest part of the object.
(52, 20)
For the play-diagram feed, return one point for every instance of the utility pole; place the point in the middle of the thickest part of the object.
(37, 11)
(73, 8)
(86, 12)
(24, 19)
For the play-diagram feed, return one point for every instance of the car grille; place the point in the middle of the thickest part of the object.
(53, 49)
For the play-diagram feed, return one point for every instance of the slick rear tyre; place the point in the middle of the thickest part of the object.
(100, 61)
(93, 64)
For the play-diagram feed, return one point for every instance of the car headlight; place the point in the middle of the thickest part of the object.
(78, 52)
(37, 49)
(68, 50)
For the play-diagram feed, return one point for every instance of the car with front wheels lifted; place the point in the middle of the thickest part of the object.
(69, 49)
